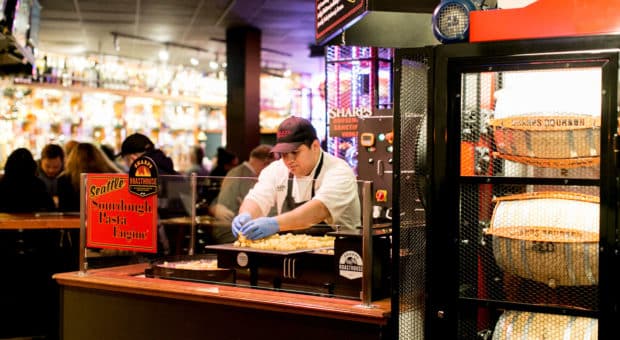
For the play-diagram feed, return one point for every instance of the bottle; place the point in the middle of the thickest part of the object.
(46, 74)
(65, 75)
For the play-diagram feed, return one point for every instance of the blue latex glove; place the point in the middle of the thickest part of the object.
(238, 222)
(260, 228)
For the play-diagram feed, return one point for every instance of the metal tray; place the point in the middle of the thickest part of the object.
(159, 270)
(231, 247)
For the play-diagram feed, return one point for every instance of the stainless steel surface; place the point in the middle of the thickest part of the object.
(192, 239)
(367, 243)
(231, 247)
(83, 260)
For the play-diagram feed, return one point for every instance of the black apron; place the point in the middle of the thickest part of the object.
(290, 204)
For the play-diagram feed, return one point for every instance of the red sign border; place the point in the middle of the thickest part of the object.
(95, 244)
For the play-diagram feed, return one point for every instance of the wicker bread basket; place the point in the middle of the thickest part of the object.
(565, 141)
(528, 325)
(549, 237)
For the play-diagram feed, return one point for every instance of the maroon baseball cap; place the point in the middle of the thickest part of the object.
(293, 132)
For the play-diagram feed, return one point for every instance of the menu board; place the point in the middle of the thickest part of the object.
(333, 15)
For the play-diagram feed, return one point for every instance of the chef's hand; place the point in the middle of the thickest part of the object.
(238, 222)
(260, 228)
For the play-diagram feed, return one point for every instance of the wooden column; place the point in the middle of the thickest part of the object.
(243, 46)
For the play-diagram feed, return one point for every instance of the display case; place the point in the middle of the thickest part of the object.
(519, 185)
(358, 81)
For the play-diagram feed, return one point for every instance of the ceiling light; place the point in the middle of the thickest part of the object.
(194, 61)
(164, 55)
(117, 44)
(214, 65)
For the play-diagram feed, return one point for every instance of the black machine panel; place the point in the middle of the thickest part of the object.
(375, 159)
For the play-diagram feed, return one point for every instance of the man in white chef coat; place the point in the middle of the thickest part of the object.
(307, 186)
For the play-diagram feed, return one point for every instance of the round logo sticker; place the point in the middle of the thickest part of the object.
(242, 259)
(350, 265)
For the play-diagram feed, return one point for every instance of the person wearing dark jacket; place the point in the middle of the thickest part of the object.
(138, 145)
(226, 160)
(169, 198)
(20, 189)
(50, 165)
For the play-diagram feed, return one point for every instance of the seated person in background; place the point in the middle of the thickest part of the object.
(51, 165)
(84, 158)
(226, 160)
(69, 145)
(323, 188)
(108, 150)
(235, 186)
(20, 189)
(169, 201)
(196, 157)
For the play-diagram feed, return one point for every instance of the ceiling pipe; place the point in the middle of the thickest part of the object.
(227, 9)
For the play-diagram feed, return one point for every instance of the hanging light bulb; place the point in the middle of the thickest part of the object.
(164, 55)
(287, 73)
(214, 65)
(194, 61)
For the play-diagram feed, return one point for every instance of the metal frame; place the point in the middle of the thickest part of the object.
(443, 203)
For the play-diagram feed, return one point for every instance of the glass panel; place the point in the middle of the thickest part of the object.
(385, 84)
(325, 259)
(542, 123)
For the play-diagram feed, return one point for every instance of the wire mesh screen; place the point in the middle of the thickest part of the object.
(519, 244)
(530, 241)
(531, 123)
(413, 110)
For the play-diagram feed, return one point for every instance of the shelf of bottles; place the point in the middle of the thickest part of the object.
(358, 79)
(282, 96)
(138, 76)
(104, 99)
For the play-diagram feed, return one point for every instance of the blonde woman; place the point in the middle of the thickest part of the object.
(83, 158)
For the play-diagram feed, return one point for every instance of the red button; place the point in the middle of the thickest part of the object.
(381, 195)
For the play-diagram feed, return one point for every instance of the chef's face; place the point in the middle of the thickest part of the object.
(301, 161)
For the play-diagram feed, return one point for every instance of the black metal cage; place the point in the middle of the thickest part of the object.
(507, 178)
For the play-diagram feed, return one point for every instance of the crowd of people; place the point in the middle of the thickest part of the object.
(293, 186)
(51, 181)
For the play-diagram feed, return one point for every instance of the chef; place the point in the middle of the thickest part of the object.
(307, 186)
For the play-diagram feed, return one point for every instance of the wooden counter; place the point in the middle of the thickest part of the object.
(120, 303)
(34, 247)
(39, 221)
